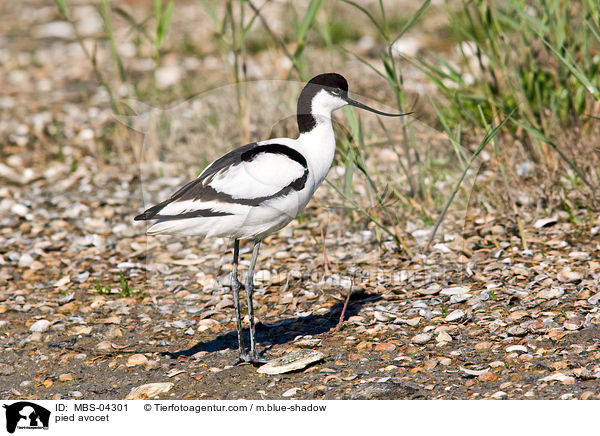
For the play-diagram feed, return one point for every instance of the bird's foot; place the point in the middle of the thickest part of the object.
(251, 359)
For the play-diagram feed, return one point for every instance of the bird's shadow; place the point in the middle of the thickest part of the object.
(285, 330)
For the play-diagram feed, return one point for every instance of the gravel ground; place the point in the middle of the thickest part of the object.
(478, 317)
(91, 308)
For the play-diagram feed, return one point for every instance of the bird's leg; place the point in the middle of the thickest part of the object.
(235, 287)
(249, 289)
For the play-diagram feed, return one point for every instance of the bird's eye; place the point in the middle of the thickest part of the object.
(336, 91)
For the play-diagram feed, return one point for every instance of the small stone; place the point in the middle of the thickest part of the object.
(430, 290)
(455, 315)
(40, 326)
(290, 392)
(443, 337)
(459, 298)
(594, 299)
(262, 276)
(406, 46)
(25, 261)
(573, 324)
(568, 276)
(583, 373)
(380, 316)
(455, 290)
(413, 322)
(54, 29)
(307, 342)
(19, 209)
(483, 345)
(516, 331)
(75, 394)
(136, 359)
(385, 346)
(516, 349)
(549, 294)
(487, 377)
(167, 76)
(579, 255)
(587, 395)
(525, 169)
(545, 222)
(65, 377)
(500, 395)
(558, 376)
(364, 346)
(150, 390)
(421, 338)
(6, 369)
(474, 372)
(104, 345)
(292, 361)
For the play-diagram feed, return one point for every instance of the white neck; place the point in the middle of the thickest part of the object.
(318, 146)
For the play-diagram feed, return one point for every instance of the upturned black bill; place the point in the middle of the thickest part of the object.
(365, 107)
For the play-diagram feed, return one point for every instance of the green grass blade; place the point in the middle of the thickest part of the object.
(413, 19)
(488, 137)
(309, 18)
(381, 30)
(62, 7)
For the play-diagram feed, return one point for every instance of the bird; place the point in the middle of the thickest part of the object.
(257, 189)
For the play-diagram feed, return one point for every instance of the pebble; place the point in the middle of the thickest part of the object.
(558, 376)
(500, 395)
(483, 345)
(421, 338)
(65, 377)
(455, 315)
(473, 372)
(579, 255)
(262, 275)
(19, 209)
(290, 392)
(136, 359)
(54, 29)
(150, 390)
(545, 222)
(6, 369)
(459, 298)
(430, 290)
(573, 324)
(568, 276)
(40, 326)
(443, 337)
(549, 294)
(587, 395)
(594, 299)
(456, 290)
(25, 260)
(516, 349)
(406, 46)
(167, 76)
(516, 331)
(292, 361)
(525, 169)
(104, 345)
(487, 377)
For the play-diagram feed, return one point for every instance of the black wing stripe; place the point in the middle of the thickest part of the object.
(294, 155)
(204, 213)
(199, 190)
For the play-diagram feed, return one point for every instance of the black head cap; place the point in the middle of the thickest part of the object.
(332, 82)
